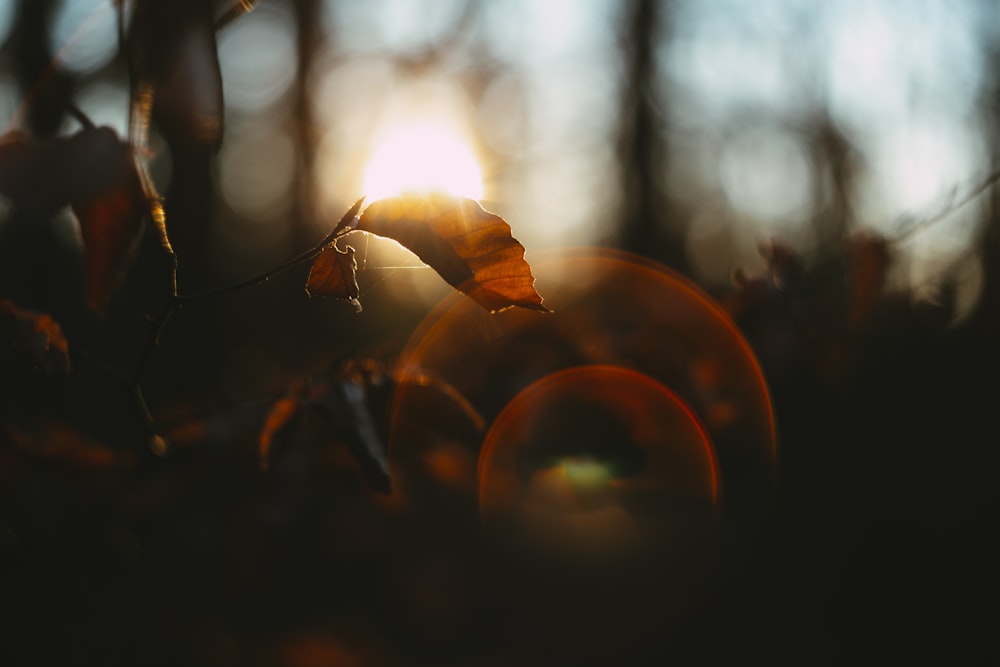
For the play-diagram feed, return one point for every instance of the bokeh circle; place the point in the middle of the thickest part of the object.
(610, 309)
(597, 463)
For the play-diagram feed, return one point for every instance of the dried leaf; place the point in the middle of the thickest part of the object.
(110, 221)
(349, 221)
(347, 400)
(363, 438)
(281, 414)
(36, 335)
(94, 172)
(40, 176)
(471, 248)
(334, 273)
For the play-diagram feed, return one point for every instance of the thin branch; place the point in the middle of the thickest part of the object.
(176, 301)
(152, 344)
(949, 208)
(236, 10)
(345, 225)
(256, 280)
(82, 118)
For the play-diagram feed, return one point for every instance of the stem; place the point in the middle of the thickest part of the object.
(80, 116)
(176, 301)
(173, 304)
(152, 343)
(343, 227)
(950, 208)
(256, 280)
(236, 10)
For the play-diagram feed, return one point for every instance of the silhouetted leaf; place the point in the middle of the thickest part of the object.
(277, 420)
(471, 248)
(334, 273)
(349, 221)
(363, 438)
(36, 335)
(94, 172)
(40, 176)
(110, 221)
(344, 400)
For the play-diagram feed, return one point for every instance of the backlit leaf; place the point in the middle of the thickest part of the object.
(333, 273)
(471, 248)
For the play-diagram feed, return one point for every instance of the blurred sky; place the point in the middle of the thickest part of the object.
(534, 88)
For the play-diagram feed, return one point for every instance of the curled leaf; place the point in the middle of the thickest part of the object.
(334, 273)
(471, 248)
(349, 221)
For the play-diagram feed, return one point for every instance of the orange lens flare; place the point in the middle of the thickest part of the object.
(599, 459)
(609, 309)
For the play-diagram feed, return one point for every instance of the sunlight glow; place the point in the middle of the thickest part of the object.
(422, 157)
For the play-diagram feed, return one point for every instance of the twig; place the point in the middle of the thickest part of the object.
(82, 118)
(176, 301)
(950, 208)
(258, 279)
(152, 344)
(343, 227)
(236, 10)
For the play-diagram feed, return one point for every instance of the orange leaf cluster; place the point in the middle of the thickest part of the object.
(471, 248)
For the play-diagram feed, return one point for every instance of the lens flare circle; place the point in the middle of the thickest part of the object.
(609, 309)
(422, 157)
(596, 461)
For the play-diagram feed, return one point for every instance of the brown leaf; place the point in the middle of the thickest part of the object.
(346, 400)
(36, 335)
(471, 248)
(40, 176)
(348, 222)
(334, 273)
(281, 414)
(110, 221)
(363, 438)
(94, 172)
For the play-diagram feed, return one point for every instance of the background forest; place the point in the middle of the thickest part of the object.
(824, 171)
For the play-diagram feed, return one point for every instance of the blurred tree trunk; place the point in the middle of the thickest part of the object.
(648, 226)
(36, 269)
(46, 89)
(309, 43)
(990, 245)
(835, 174)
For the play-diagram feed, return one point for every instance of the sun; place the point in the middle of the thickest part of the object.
(422, 157)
